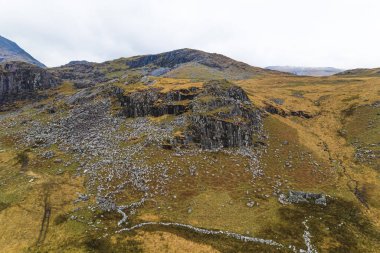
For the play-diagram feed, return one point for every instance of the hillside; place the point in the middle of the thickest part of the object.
(187, 151)
(10, 51)
(361, 72)
(183, 63)
(307, 71)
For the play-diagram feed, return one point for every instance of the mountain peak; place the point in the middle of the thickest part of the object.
(10, 51)
(185, 55)
(193, 63)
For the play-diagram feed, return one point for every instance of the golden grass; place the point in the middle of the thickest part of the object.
(24, 191)
(163, 84)
(153, 242)
(325, 98)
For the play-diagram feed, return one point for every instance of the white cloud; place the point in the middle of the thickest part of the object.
(340, 33)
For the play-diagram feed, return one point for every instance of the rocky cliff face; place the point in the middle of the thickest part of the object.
(20, 80)
(223, 116)
(219, 115)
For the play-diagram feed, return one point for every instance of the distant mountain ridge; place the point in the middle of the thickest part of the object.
(10, 51)
(307, 71)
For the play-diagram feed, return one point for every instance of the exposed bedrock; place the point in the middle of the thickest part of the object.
(82, 73)
(223, 116)
(275, 109)
(19, 80)
(218, 115)
(307, 197)
(152, 102)
(212, 133)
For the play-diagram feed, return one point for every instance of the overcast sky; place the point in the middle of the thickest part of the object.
(338, 33)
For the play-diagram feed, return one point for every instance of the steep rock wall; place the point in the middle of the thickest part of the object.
(223, 116)
(21, 80)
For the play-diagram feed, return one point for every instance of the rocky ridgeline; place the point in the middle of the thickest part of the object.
(219, 115)
(82, 73)
(186, 55)
(20, 80)
(129, 70)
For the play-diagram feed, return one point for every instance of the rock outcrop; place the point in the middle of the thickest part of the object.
(219, 115)
(82, 73)
(275, 109)
(152, 102)
(19, 80)
(296, 197)
(223, 116)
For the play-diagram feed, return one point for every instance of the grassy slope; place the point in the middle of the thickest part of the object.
(327, 98)
(218, 195)
(360, 72)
